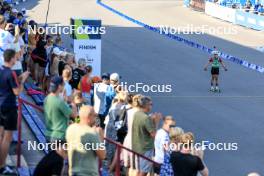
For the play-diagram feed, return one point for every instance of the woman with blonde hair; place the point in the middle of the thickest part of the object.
(175, 134)
(184, 161)
(175, 139)
(195, 151)
(132, 107)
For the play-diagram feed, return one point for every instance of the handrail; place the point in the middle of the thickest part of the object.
(123, 147)
(19, 128)
(119, 146)
(34, 92)
(19, 124)
(37, 57)
(33, 105)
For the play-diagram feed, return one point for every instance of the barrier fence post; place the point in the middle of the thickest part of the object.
(19, 128)
(118, 161)
(100, 167)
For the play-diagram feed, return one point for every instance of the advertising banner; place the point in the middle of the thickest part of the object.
(249, 20)
(239, 17)
(86, 42)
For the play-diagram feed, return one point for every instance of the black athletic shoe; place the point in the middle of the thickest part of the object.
(7, 171)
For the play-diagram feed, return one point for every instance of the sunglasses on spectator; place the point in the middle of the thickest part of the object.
(172, 126)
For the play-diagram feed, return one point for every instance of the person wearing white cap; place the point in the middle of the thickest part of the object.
(14, 11)
(215, 62)
(115, 81)
(114, 78)
(112, 90)
(100, 98)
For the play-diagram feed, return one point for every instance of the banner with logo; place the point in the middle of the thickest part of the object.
(250, 20)
(86, 42)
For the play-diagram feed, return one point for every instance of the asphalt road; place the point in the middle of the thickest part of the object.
(141, 56)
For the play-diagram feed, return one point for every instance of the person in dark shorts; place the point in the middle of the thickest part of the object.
(40, 58)
(9, 89)
(184, 163)
(215, 61)
(51, 164)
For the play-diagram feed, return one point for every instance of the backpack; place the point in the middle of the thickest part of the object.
(121, 124)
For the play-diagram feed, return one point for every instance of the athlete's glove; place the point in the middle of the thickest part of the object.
(205, 69)
(225, 69)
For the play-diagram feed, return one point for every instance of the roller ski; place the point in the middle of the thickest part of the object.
(215, 89)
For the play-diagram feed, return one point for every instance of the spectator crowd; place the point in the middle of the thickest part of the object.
(253, 6)
(81, 109)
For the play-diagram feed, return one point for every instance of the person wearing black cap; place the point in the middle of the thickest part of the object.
(57, 114)
(100, 103)
(56, 111)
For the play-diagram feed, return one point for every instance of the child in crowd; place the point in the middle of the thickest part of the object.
(78, 101)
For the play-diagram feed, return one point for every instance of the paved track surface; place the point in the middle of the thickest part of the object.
(235, 115)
